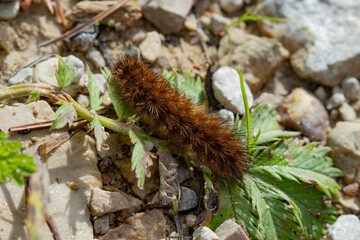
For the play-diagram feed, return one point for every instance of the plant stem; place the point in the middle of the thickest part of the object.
(247, 110)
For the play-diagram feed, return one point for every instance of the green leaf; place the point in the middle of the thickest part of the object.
(66, 114)
(94, 92)
(284, 196)
(100, 135)
(34, 96)
(186, 84)
(64, 76)
(122, 110)
(141, 158)
(13, 164)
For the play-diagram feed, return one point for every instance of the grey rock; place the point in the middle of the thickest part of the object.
(188, 199)
(336, 100)
(77, 67)
(334, 115)
(270, 99)
(351, 87)
(227, 116)
(284, 80)
(183, 173)
(146, 225)
(7, 36)
(257, 57)
(347, 113)
(226, 85)
(346, 227)
(23, 76)
(102, 224)
(150, 47)
(96, 58)
(103, 202)
(204, 233)
(305, 113)
(167, 15)
(231, 6)
(218, 23)
(337, 89)
(325, 56)
(343, 140)
(229, 230)
(190, 220)
(9, 10)
(320, 93)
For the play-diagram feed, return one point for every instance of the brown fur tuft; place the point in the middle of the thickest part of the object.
(174, 118)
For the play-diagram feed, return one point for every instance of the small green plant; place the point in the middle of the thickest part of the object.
(284, 193)
(64, 76)
(14, 165)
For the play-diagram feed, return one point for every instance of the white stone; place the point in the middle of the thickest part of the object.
(226, 84)
(150, 47)
(23, 76)
(204, 233)
(103, 202)
(191, 22)
(231, 6)
(346, 227)
(218, 23)
(335, 101)
(229, 230)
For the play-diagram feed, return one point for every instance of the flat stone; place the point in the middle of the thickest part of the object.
(226, 85)
(346, 227)
(351, 87)
(96, 58)
(230, 230)
(324, 56)
(347, 113)
(167, 15)
(305, 113)
(150, 47)
(74, 160)
(204, 233)
(23, 76)
(9, 10)
(218, 23)
(7, 37)
(257, 57)
(344, 142)
(44, 72)
(231, 6)
(350, 204)
(146, 225)
(102, 224)
(103, 202)
(190, 220)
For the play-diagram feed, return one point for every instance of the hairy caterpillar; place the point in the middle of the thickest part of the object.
(174, 118)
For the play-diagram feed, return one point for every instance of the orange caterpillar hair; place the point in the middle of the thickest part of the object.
(174, 118)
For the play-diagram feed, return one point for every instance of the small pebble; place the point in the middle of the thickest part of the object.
(73, 185)
(204, 233)
(190, 220)
(102, 224)
(351, 190)
(96, 58)
(347, 113)
(320, 93)
(106, 179)
(351, 87)
(9, 10)
(335, 101)
(191, 22)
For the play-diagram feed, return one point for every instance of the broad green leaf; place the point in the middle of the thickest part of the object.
(13, 164)
(141, 158)
(94, 92)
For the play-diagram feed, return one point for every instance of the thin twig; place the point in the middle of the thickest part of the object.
(87, 24)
